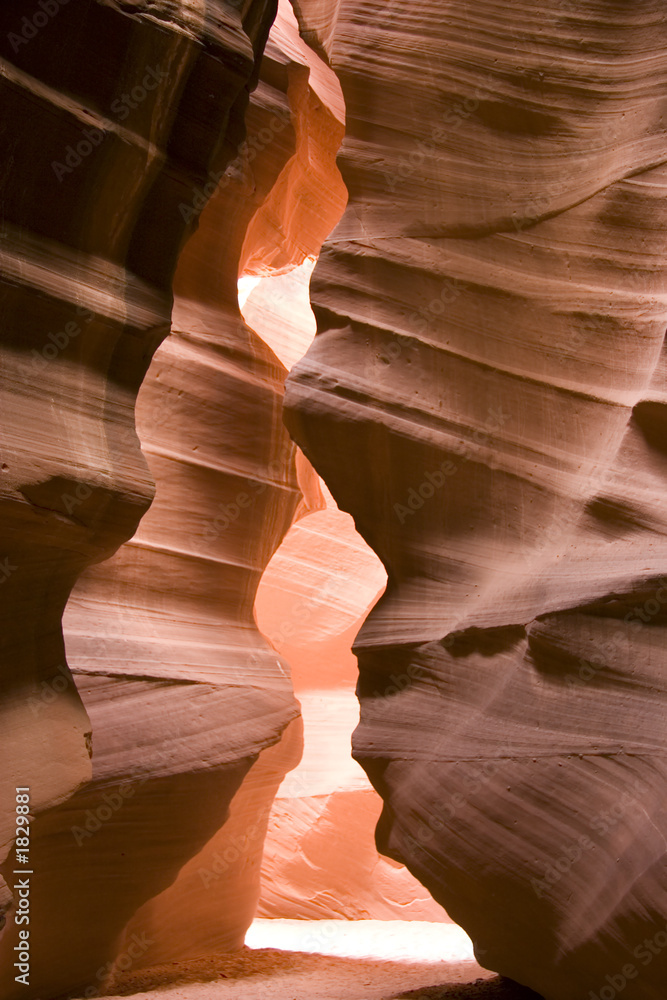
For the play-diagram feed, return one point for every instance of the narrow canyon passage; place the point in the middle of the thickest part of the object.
(333, 548)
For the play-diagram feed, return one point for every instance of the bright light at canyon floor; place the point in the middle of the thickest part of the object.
(386, 940)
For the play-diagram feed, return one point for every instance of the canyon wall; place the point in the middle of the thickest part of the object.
(486, 396)
(223, 510)
(187, 712)
(109, 149)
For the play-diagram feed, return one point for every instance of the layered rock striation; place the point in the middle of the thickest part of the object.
(486, 396)
(108, 147)
(182, 690)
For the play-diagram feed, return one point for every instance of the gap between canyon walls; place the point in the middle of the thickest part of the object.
(313, 597)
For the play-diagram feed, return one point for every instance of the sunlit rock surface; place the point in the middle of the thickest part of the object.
(108, 124)
(182, 690)
(312, 599)
(486, 396)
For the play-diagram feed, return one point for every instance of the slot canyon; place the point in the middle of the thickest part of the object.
(333, 551)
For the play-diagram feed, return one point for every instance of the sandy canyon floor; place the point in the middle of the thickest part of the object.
(268, 974)
(261, 973)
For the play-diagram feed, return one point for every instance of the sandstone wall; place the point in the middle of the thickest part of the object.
(103, 143)
(486, 396)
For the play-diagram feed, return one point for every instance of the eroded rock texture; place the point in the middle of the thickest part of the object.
(313, 597)
(115, 117)
(246, 482)
(312, 600)
(182, 691)
(486, 395)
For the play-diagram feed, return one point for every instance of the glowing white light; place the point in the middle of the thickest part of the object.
(393, 940)
(246, 285)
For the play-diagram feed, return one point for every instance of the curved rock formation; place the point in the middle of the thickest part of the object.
(245, 228)
(312, 599)
(121, 134)
(486, 396)
(182, 691)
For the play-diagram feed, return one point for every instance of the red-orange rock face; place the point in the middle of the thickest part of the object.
(106, 147)
(182, 691)
(486, 395)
